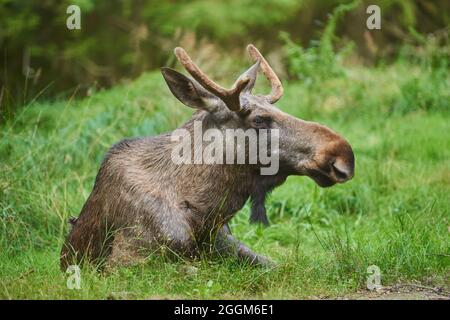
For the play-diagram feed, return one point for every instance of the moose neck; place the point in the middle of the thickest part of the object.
(207, 188)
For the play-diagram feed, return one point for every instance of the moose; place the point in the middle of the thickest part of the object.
(142, 202)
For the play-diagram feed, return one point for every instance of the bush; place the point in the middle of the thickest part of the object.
(319, 61)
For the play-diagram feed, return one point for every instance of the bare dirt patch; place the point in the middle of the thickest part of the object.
(402, 292)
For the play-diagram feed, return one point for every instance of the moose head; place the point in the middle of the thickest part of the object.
(305, 148)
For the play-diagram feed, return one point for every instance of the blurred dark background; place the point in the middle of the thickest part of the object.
(119, 40)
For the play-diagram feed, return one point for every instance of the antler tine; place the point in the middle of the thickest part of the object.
(229, 97)
(277, 87)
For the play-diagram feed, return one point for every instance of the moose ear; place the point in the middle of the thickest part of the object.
(188, 91)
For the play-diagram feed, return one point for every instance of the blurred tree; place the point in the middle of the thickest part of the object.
(121, 39)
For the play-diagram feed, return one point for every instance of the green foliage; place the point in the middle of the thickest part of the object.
(419, 93)
(118, 39)
(431, 88)
(237, 17)
(310, 64)
(121, 39)
(319, 61)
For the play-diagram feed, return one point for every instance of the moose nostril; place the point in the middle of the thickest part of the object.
(339, 174)
(342, 172)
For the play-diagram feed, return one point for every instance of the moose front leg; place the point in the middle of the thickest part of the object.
(226, 244)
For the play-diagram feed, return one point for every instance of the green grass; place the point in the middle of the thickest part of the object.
(393, 214)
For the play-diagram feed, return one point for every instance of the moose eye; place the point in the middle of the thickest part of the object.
(258, 120)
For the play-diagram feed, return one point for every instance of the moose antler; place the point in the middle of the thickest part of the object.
(277, 87)
(229, 96)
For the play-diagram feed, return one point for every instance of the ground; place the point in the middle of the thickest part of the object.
(401, 292)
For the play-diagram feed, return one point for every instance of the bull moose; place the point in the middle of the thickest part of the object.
(142, 201)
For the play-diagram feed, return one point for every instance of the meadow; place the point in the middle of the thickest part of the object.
(394, 214)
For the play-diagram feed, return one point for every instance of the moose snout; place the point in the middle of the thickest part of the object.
(338, 166)
(342, 163)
